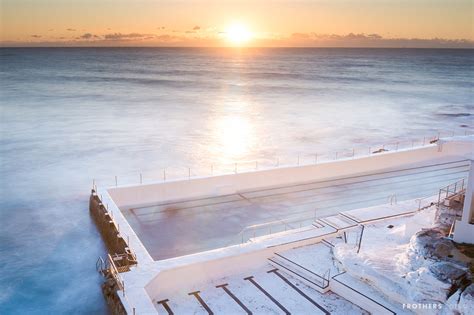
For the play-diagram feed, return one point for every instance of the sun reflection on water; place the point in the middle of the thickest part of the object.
(234, 133)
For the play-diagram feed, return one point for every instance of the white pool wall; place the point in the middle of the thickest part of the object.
(160, 192)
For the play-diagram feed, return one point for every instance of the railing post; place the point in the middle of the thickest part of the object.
(141, 178)
(353, 152)
(360, 239)
(116, 181)
(424, 140)
(256, 165)
(123, 287)
(189, 173)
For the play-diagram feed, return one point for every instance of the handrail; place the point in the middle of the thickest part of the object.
(459, 183)
(307, 159)
(392, 199)
(115, 273)
(285, 223)
(306, 217)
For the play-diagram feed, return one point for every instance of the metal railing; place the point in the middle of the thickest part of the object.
(451, 190)
(283, 225)
(181, 173)
(272, 227)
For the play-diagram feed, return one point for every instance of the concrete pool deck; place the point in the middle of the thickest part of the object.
(177, 228)
(181, 232)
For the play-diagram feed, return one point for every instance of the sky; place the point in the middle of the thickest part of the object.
(284, 23)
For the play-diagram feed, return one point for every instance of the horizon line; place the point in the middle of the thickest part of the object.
(242, 47)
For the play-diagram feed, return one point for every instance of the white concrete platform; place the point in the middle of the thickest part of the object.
(255, 300)
(187, 234)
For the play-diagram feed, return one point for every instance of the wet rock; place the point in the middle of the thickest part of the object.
(466, 302)
(425, 287)
(442, 248)
(431, 244)
(460, 303)
(447, 272)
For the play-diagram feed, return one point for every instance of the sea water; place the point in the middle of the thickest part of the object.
(72, 115)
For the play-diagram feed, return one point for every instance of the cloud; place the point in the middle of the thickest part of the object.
(211, 37)
(197, 27)
(129, 36)
(70, 30)
(373, 40)
(87, 36)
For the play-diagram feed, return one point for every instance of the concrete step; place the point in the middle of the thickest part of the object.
(300, 273)
(292, 300)
(362, 294)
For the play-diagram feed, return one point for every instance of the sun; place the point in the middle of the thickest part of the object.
(238, 34)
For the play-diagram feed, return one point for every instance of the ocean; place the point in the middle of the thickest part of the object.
(69, 116)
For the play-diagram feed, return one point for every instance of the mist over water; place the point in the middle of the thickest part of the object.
(68, 116)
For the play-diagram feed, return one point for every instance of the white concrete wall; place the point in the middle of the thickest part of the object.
(143, 195)
(235, 260)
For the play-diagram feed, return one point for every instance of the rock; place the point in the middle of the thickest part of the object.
(460, 303)
(466, 302)
(447, 272)
(431, 244)
(426, 288)
(442, 248)
(451, 305)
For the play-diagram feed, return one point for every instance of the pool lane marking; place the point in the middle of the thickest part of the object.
(201, 301)
(224, 287)
(267, 295)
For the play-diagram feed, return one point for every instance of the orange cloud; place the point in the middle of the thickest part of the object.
(213, 38)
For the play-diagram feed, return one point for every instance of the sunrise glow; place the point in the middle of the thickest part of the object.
(238, 34)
